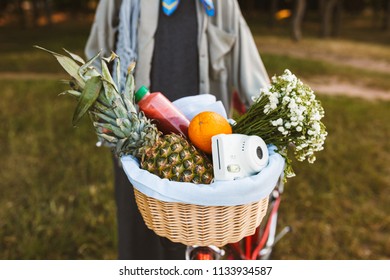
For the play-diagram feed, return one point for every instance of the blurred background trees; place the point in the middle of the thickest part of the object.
(33, 13)
(329, 14)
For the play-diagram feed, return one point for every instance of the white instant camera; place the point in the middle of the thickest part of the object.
(237, 156)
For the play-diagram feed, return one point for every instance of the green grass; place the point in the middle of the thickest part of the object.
(339, 206)
(56, 186)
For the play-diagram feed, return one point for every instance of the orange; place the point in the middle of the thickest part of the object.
(204, 126)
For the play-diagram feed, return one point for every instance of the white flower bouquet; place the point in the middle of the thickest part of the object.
(286, 113)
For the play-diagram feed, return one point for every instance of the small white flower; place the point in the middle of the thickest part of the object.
(255, 98)
(316, 116)
(312, 159)
(278, 122)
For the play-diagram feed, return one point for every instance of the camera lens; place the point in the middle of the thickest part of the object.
(259, 152)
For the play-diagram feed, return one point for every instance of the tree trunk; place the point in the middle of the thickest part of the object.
(41, 7)
(386, 20)
(48, 11)
(248, 7)
(252, 7)
(21, 14)
(273, 10)
(376, 8)
(327, 10)
(35, 10)
(337, 15)
(299, 11)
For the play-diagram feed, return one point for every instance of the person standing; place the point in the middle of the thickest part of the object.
(181, 48)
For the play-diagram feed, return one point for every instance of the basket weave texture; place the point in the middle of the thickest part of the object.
(192, 224)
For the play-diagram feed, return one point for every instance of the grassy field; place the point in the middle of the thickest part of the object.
(56, 188)
(57, 199)
(339, 206)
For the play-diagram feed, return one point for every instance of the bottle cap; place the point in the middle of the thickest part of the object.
(141, 92)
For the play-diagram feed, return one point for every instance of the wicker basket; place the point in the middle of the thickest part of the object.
(192, 224)
(216, 214)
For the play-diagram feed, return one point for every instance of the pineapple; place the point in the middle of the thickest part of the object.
(117, 121)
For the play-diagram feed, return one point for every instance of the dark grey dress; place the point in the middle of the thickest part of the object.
(175, 74)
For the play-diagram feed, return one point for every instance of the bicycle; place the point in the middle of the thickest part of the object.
(258, 246)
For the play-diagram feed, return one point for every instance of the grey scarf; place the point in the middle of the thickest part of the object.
(126, 45)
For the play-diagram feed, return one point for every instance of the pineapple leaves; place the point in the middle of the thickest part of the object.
(88, 97)
(75, 56)
(71, 92)
(68, 64)
(129, 88)
(118, 71)
(86, 68)
(108, 79)
(104, 128)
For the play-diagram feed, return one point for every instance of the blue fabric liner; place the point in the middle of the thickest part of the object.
(218, 193)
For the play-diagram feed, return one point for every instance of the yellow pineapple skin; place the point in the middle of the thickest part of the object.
(174, 158)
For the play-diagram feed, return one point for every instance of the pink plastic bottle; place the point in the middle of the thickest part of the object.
(165, 115)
